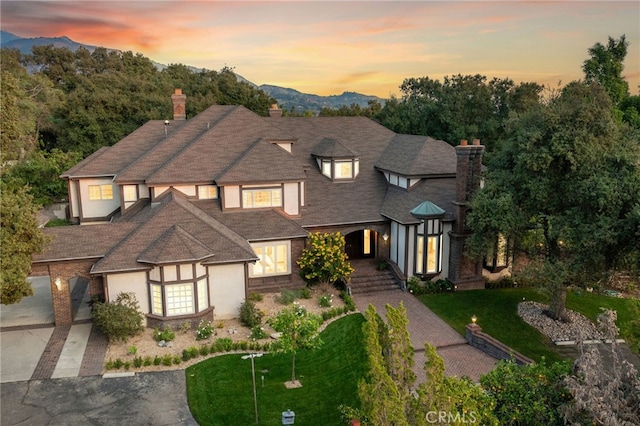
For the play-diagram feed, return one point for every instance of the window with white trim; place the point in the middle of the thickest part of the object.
(429, 247)
(100, 192)
(255, 198)
(129, 193)
(176, 290)
(274, 259)
(345, 169)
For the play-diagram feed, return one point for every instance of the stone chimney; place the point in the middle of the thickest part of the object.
(179, 105)
(464, 272)
(274, 111)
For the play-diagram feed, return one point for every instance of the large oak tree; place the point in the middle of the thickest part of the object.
(568, 179)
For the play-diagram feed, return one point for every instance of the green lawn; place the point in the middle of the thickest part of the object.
(496, 311)
(220, 391)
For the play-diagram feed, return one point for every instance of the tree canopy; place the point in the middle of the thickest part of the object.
(567, 181)
(20, 238)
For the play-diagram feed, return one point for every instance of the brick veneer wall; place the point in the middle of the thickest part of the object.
(62, 309)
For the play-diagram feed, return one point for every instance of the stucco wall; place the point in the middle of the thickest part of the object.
(227, 289)
(98, 208)
(291, 199)
(132, 282)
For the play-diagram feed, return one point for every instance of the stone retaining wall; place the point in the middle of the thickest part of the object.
(487, 344)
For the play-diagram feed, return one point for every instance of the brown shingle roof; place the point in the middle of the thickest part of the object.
(399, 202)
(82, 242)
(221, 243)
(409, 155)
(225, 140)
(175, 245)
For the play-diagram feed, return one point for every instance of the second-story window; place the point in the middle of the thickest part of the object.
(254, 198)
(100, 192)
(207, 192)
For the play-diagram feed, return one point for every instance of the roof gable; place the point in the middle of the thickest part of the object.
(175, 245)
(262, 162)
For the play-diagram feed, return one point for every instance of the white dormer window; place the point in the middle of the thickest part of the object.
(336, 161)
(339, 169)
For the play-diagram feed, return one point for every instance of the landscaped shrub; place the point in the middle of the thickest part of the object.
(118, 320)
(137, 362)
(250, 315)
(147, 361)
(258, 333)
(348, 300)
(166, 360)
(326, 301)
(166, 335)
(157, 360)
(189, 353)
(504, 282)
(528, 395)
(223, 344)
(204, 330)
(255, 297)
(418, 287)
(287, 297)
(176, 360)
(204, 350)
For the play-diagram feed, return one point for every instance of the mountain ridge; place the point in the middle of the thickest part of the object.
(287, 98)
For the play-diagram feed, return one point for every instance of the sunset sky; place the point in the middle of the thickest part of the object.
(330, 47)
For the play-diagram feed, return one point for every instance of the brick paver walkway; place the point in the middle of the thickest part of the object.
(460, 359)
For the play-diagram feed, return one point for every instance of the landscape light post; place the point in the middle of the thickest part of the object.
(253, 377)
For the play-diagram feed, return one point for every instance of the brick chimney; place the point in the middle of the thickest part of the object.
(274, 111)
(179, 105)
(464, 272)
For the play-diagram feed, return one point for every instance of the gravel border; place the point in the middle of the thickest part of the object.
(578, 328)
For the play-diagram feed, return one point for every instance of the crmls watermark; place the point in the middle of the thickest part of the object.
(451, 417)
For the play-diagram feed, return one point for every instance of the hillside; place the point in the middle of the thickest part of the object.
(290, 99)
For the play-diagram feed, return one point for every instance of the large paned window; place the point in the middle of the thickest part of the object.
(176, 290)
(429, 247)
(274, 259)
(100, 192)
(254, 198)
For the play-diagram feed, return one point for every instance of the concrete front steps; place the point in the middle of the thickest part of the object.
(371, 280)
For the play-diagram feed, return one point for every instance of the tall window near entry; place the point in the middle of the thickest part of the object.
(176, 290)
(274, 259)
(429, 247)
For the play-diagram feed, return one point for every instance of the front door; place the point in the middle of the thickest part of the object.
(360, 244)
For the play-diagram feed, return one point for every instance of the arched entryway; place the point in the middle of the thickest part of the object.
(361, 244)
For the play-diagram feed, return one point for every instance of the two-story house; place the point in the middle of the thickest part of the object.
(192, 215)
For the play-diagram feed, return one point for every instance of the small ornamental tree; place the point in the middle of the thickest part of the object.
(299, 331)
(324, 260)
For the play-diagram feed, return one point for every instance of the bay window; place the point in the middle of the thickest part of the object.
(176, 290)
(429, 247)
